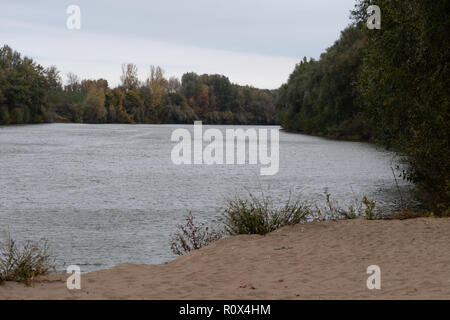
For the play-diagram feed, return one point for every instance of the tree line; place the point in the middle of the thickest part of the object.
(30, 93)
(320, 97)
(390, 85)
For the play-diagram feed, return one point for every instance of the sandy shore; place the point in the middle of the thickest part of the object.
(323, 260)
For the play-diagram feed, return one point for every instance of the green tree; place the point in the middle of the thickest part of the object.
(94, 110)
(23, 87)
(320, 96)
(404, 86)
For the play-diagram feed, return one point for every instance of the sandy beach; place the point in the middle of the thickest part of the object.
(321, 260)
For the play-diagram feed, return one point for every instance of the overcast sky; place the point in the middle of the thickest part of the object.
(254, 42)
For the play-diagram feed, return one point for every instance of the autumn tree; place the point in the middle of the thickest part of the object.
(30, 93)
(129, 78)
(94, 110)
(157, 85)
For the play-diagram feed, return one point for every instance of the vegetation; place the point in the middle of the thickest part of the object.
(25, 264)
(23, 86)
(319, 97)
(259, 215)
(333, 211)
(31, 94)
(404, 84)
(390, 85)
(192, 236)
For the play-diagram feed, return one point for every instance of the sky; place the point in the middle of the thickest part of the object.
(252, 42)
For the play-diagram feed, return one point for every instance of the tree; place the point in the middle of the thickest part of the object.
(320, 96)
(403, 86)
(173, 85)
(157, 85)
(190, 84)
(94, 110)
(134, 106)
(53, 77)
(129, 79)
(30, 93)
(73, 83)
(23, 89)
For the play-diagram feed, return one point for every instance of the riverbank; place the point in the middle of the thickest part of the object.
(336, 136)
(322, 260)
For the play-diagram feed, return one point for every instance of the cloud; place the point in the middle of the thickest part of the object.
(94, 56)
(252, 42)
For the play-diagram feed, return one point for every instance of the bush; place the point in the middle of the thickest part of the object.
(334, 212)
(255, 215)
(259, 215)
(359, 209)
(192, 236)
(24, 265)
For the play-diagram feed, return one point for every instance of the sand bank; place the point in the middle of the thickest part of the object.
(322, 260)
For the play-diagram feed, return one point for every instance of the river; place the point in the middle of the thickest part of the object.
(104, 195)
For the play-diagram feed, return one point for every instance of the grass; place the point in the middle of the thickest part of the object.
(334, 212)
(26, 263)
(260, 215)
(365, 208)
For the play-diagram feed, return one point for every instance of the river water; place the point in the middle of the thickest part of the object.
(104, 195)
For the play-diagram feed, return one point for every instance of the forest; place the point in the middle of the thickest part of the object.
(320, 96)
(389, 85)
(30, 93)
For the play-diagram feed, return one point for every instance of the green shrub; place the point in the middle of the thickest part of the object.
(253, 215)
(369, 211)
